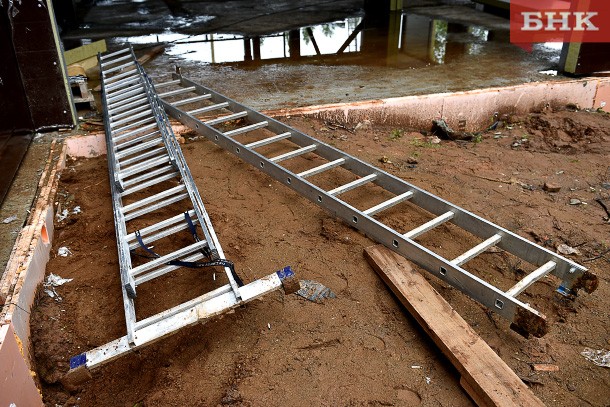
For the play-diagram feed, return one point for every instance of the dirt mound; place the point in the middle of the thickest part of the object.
(568, 132)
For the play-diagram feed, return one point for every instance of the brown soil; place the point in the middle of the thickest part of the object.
(361, 348)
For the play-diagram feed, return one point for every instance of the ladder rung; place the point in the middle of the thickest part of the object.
(429, 225)
(148, 175)
(140, 108)
(351, 185)
(138, 95)
(269, 140)
(155, 206)
(124, 164)
(191, 100)
(170, 83)
(118, 68)
(531, 278)
(115, 53)
(114, 79)
(134, 132)
(246, 129)
(158, 205)
(145, 121)
(153, 198)
(322, 168)
(118, 84)
(133, 91)
(114, 61)
(111, 97)
(164, 233)
(168, 257)
(135, 149)
(226, 118)
(137, 140)
(136, 169)
(128, 104)
(166, 269)
(129, 119)
(389, 203)
(475, 251)
(176, 92)
(152, 182)
(207, 108)
(111, 93)
(149, 230)
(292, 154)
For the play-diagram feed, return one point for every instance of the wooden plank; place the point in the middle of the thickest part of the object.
(74, 55)
(485, 377)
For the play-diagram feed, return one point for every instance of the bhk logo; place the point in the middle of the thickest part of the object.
(558, 20)
(533, 21)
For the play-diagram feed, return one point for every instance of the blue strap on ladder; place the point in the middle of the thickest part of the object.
(192, 264)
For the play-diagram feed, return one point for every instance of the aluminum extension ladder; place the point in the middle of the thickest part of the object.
(147, 168)
(524, 319)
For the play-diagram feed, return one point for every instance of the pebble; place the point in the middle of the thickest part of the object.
(575, 201)
(550, 187)
(412, 160)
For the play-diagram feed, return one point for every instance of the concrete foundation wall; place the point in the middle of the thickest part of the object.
(468, 111)
(17, 387)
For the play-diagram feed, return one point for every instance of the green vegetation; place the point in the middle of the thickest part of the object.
(395, 134)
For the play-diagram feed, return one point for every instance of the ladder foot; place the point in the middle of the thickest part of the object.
(75, 377)
(290, 283)
(587, 281)
(528, 323)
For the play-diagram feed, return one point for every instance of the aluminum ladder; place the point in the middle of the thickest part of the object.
(524, 319)
(148, 172)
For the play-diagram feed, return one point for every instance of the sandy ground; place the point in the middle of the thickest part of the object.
(361, 348)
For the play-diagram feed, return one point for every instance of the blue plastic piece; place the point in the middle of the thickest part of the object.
(284, 273)
(566, 292)
(78, 360)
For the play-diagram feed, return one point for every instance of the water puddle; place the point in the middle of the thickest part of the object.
(406, 40)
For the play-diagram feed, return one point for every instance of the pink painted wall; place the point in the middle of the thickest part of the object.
(17, 386)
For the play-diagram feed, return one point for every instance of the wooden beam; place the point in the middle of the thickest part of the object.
(75, 55)
(485, 377)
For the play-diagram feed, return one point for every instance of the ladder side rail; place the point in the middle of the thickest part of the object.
(569, 272)
(179, 163)
(512, 309)
(119, 222)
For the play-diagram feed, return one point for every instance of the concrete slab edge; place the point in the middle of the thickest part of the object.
(470, 110)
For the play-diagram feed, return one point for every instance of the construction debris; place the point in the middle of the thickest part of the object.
(567, 250)
(63, 251)
(599, 357)
(53, 281)
(441, 129)
(10, 219)
(314, 291)
(545, 367)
